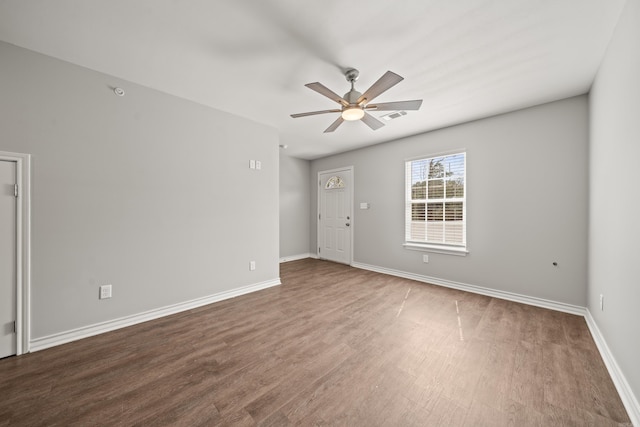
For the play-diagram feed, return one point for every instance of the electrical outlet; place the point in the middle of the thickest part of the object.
(258, 164)
(601, 302)
(252, 265)
(105, 292)
(425, 259)
(252, 164)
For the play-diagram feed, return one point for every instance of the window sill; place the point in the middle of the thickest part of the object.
(447, 250)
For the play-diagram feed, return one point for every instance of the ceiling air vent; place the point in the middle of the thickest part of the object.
(394, 115)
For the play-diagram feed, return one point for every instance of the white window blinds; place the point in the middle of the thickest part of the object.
(435, 209)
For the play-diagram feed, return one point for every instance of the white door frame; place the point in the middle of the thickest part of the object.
(23, 247)
(318, 231)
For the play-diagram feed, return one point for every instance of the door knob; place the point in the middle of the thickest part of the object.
(347, 224)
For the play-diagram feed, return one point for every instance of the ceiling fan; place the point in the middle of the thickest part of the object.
(354, 105)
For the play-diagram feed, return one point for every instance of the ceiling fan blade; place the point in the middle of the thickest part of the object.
(323, 90)
(313, 113)
(371, 121)
(334, 125)
(387, 81)
(398, 105)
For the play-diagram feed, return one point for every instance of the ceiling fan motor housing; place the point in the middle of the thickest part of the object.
(352, 97)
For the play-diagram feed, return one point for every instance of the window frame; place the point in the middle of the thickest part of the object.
(436, 247)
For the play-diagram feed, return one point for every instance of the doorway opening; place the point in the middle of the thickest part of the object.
(15, 223)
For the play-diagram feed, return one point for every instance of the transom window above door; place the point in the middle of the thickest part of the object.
(334, 182)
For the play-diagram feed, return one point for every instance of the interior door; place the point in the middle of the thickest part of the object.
(335, 216)
(8, 209)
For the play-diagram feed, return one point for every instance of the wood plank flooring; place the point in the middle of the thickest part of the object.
(333, 345)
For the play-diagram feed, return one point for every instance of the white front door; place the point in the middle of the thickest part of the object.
(334, 215)
(8, 255)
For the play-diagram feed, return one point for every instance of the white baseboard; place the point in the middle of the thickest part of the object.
(624, 390)
(296, 257)
(122, 322)
(524, 299)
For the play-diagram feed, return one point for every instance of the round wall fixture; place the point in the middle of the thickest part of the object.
(118, 91)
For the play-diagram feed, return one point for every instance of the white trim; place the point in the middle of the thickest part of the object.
(351, 195)
(437, 154)
(295, 257)
(23, 247)
(624, 390)
(447, 250)
(335, 170)
(110, 325)
(510, 296)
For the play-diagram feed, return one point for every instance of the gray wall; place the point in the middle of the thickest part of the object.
(614, 227)
(294, 206)
(148, 192)
(526, 206)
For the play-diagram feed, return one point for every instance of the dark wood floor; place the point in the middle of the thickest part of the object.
(333, 345)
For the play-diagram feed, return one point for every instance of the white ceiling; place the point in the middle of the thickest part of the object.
(467, 59)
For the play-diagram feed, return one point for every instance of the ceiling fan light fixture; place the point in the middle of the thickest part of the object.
(352, 113)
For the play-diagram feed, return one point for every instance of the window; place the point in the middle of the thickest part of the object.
(436, 203)
(334, 182)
